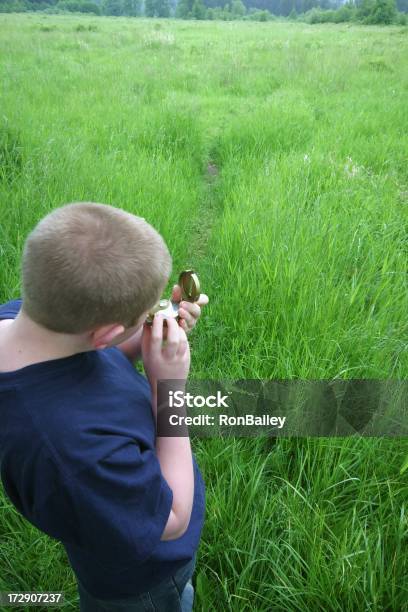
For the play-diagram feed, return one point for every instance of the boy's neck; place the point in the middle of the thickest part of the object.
(27, 339)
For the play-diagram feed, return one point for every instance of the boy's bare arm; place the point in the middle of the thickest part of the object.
(171, 361)
(175, 458)
(176, 464)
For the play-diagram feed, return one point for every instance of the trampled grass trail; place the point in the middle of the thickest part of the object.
(273, 159)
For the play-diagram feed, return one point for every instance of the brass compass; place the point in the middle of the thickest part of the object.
(190, 292)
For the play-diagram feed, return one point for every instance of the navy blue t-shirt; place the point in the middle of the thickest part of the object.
(77, 460)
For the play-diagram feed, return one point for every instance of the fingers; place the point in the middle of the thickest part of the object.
(173, 338)
(183, 343)
(177, 343)
(190, 312)
(202, 300)
(146, 332)
(188, 318)
(176, 294)
(170, 338)
(191, 308)
(183, 325)
(156, 335)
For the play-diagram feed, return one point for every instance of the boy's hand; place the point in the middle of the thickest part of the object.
(189, 312)
(165, 359)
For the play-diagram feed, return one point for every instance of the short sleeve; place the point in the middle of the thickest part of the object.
(10, 309)
(121, 504)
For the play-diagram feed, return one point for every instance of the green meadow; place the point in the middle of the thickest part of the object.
(273, 158)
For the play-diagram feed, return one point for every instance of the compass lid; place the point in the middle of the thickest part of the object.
(190, 285)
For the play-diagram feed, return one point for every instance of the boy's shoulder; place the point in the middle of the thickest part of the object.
(11, 361)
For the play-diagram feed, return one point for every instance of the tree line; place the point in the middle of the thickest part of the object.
(310, 11)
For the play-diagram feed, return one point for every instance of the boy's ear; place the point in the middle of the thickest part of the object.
(101, 337)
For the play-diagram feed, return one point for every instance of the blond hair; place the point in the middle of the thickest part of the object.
(86, 265)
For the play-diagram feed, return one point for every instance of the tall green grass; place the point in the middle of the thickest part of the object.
(273, 159)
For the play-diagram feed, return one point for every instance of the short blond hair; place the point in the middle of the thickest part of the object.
(86, 265)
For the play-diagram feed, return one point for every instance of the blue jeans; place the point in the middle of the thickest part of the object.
(175, 594)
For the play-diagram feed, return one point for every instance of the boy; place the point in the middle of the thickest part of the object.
(79, 455)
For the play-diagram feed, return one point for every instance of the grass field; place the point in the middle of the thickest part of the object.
(274, 160)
